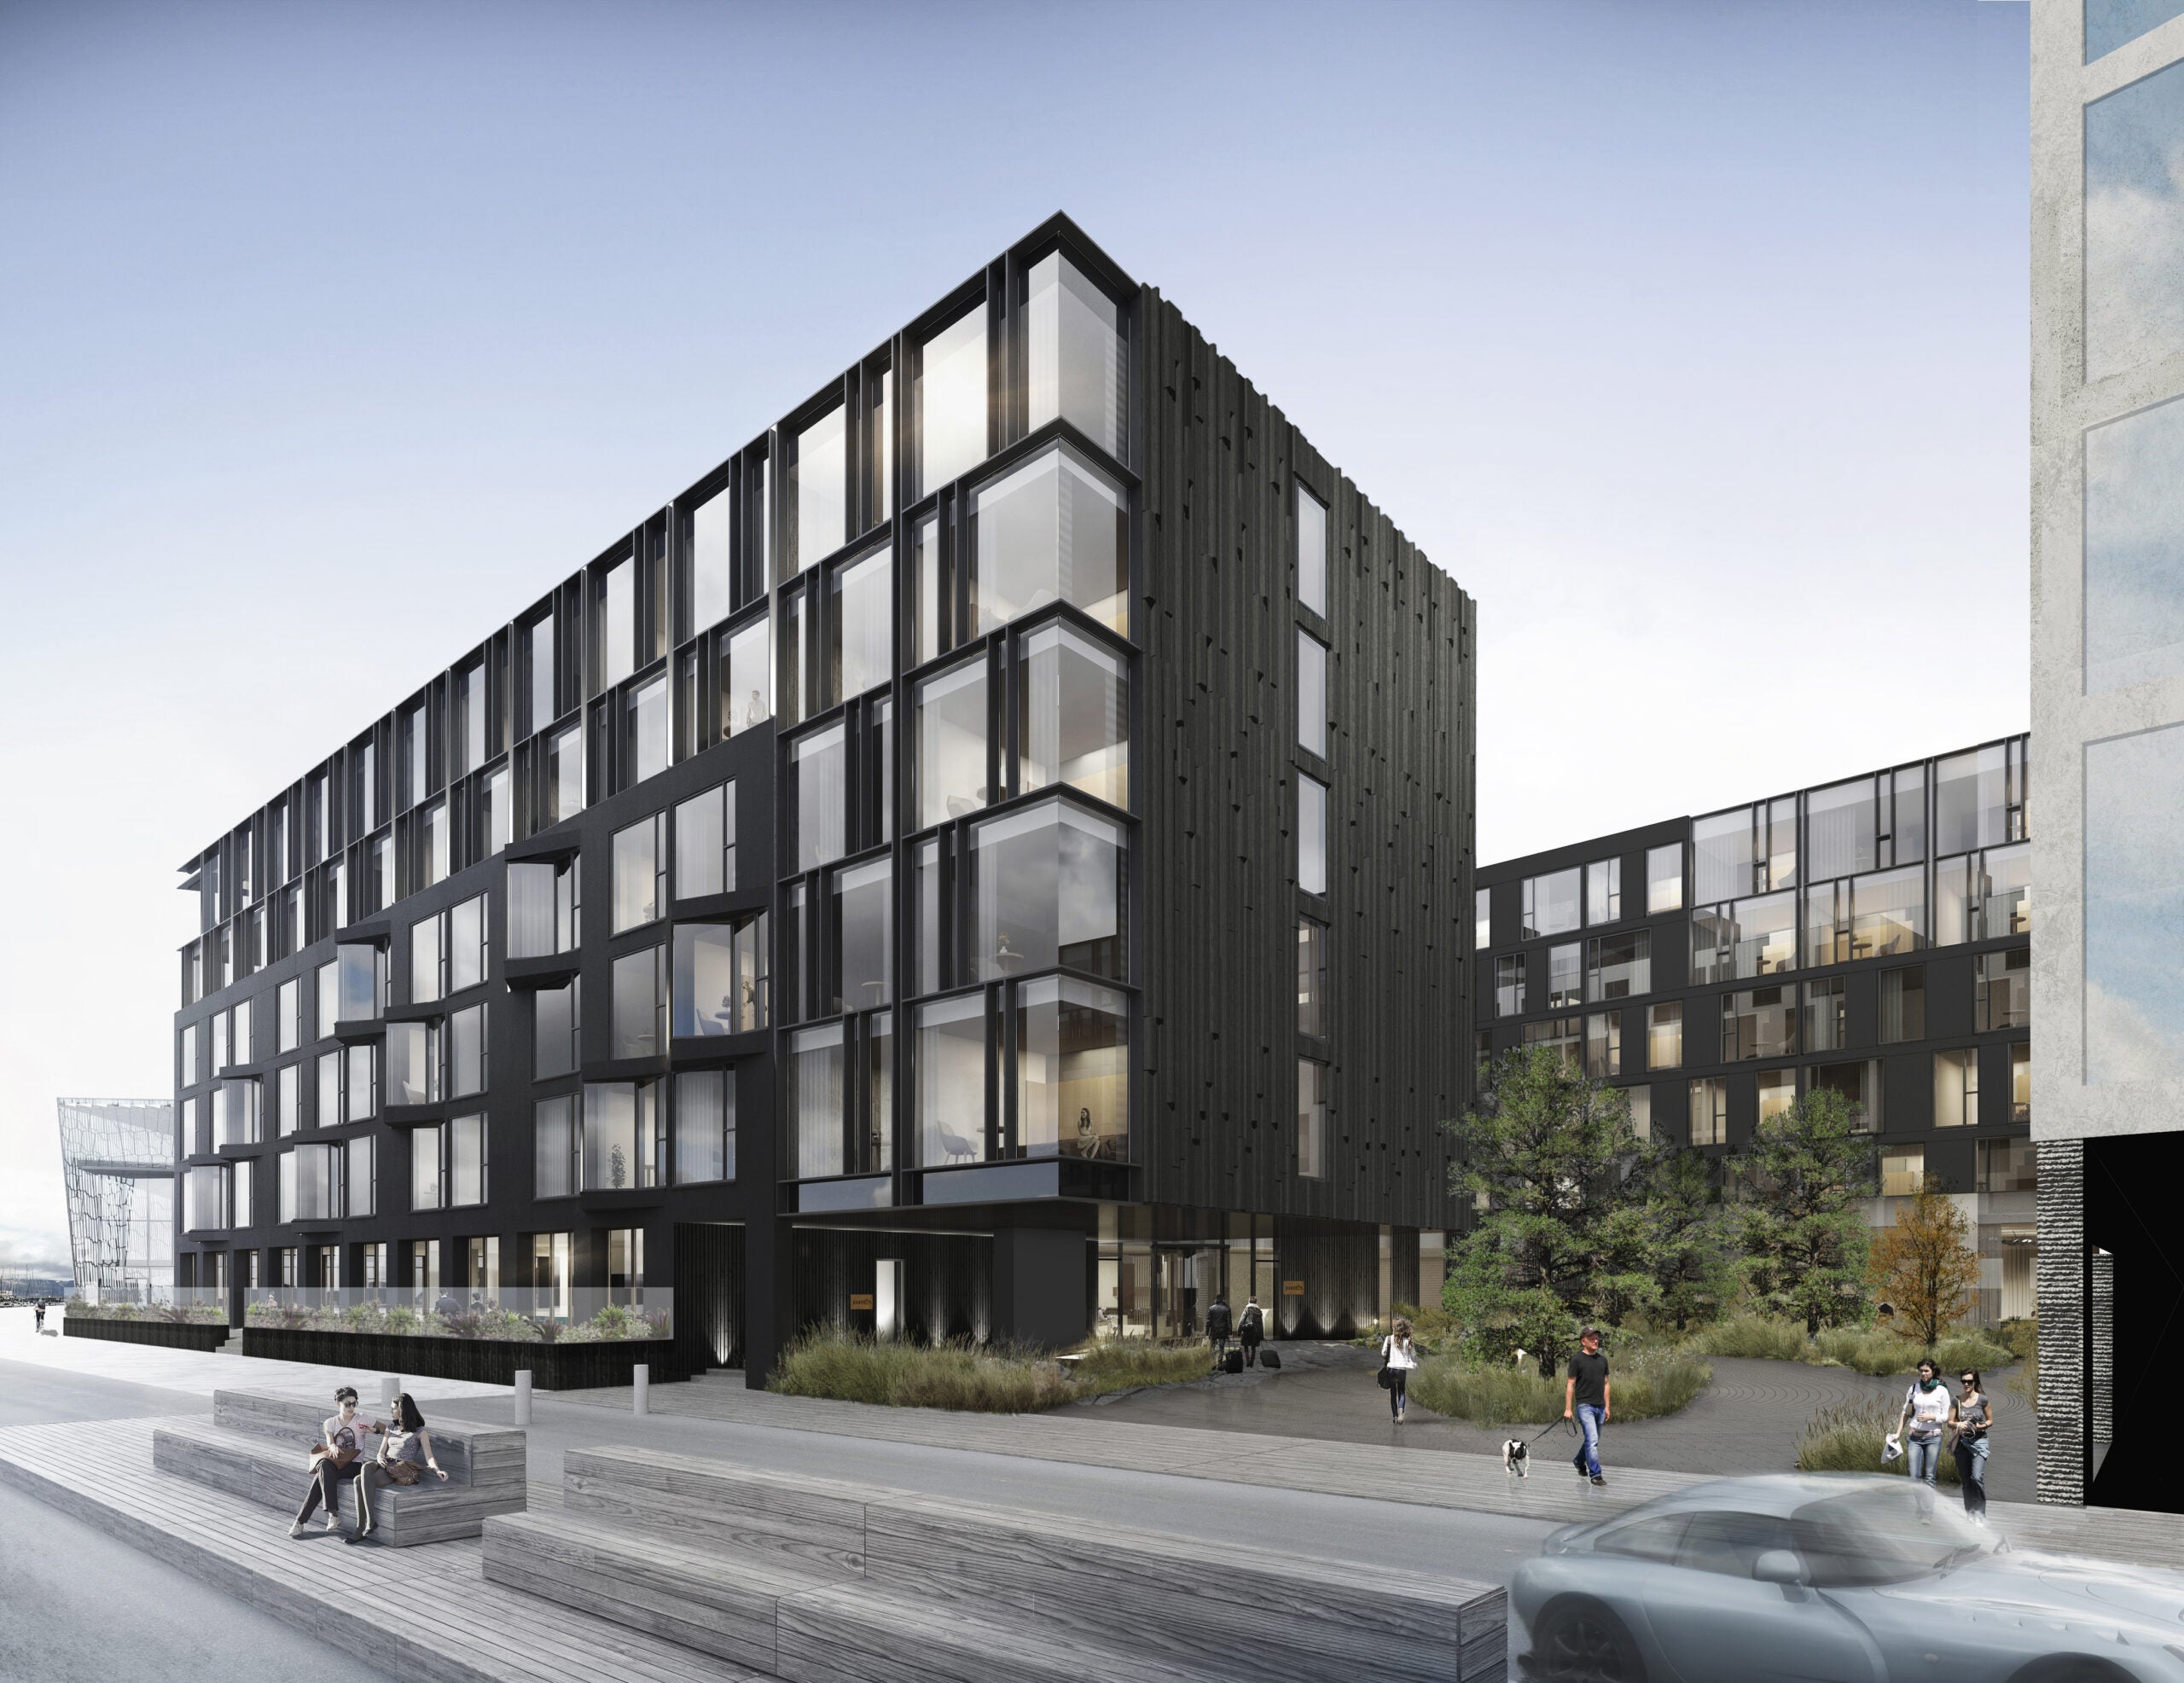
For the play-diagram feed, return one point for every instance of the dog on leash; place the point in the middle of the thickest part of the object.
(1517, 1458)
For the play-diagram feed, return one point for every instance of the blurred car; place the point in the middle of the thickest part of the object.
(1839, 1578)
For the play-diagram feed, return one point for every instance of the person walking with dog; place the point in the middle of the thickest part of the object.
(1398, 1357)
(1250, 1327)
(1219, 1324)
(1586, 1400)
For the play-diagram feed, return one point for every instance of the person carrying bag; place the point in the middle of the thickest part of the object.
(1398, 1357)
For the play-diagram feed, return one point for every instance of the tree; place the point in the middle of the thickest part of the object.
(1678, 1238)
(1802, 1233)
(1544, 1155)
(1923, 1263)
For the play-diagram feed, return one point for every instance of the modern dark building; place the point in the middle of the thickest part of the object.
(1870, 935)
(989, 858)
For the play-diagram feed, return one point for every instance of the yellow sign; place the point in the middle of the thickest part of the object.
(1292, 1288)
(860, 1300)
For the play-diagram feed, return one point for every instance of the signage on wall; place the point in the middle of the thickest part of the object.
(1292, 1288)
(860, 1300)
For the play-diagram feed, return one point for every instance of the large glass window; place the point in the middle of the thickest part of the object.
(1826, 1025)
(413, 1064)
(818, 473)
(1311, 977)
(618, 622)
(1753, 937)
(1311, 694)
(555, 1023)
(359, 1083)
(1312, 834)
(426, 1190)
(1887, 914)
(1604, 890)
(2004, 990)
(466, 1160)
(235, 1113)
(2134, 545)
(1665, 878)
(864, 920)
(363, 983)
(1551, 904)
(1056, 529)
(951, 400)
(1721, 855)
(1481, 919)
(1664, 1036)
(1859, 1084)
(557, 1145)
(712, 565)
(1618, 967)
(1759, 1023)
(563, 794)
(465, 1053)
(934, 938)
(640, 873)
(720, 978)
(360, 1177)
(2133, 205)
(2109, 24)
(818, 773)
(1511, 992)
(1311, 1120)
(1073, 707)
(951, 769)
(863, 624)
(930, 589)
(1078, 359)
(625, 1142)
(1956, 1088)
(288, 1013)
(746, 678)
(466, 945)
(1778, 1091)
(816, 1096)
(1311, 552)
(545, 909)
(1604, 1045)
(1979, 798)
(645, 746)
(538, 648)
(1710, 1111)
(951, 1057)
(425, 971)
(1902, 1004)
(1564, 976)
(704, 1126)
(704, 844)
(1049, 888)
(2021, 1084)
(1842, 835)
(639, 1004)
(1072, 1079)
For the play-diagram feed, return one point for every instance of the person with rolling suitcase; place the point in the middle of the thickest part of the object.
(1218, 1327)
(1250, 1329)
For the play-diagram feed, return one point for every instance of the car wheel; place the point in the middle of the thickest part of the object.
(2071, 1669)
(1582, 1642)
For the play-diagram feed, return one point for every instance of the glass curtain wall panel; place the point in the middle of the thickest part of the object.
(1311, 552)
(863, 624)
(818, 776)
(1049, 884)
(1888, 913)
(789, 667)
(563, 795)
(539, 645)
(466, 945)
(880, 1093)
(747, 677)
(929, 588)
(2134, 200)
(951, 745)
(1056, 529)
(555, 1036)
(951, 400)
(816, 1092)
(818, 473)
(1721, 855)
(646, 744)
(864, 920)
(557, 1147)
(1072, 1070)
(617, 624)
(639, 874)
(636, 1019)
(713, 566)
(704, 1126)
(1842, 830)
(1078, 357)
(704, 844)
(950, 1060)
(1073, 715)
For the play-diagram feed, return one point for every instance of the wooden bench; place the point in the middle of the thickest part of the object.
(818, 1579)
(258, 1447)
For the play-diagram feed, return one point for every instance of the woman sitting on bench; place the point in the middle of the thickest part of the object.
(405, 1455)
(336, 1458)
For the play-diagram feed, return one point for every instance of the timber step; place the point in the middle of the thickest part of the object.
(472, 1454)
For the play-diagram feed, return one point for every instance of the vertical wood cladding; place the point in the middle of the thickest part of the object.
(1218, 619)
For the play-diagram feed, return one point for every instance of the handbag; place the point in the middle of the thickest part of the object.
(1387, 1377)
(402, 1473)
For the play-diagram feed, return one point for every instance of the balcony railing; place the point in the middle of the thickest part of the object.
(182, 1305)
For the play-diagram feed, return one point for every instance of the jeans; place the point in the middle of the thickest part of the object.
(1587, 1460)
(1398, 1390)
(326, 1486)
(1972, 1472)
(1925, 1454)
(1220, 1349)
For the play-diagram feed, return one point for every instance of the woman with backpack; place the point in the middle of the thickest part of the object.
(1398, 1357)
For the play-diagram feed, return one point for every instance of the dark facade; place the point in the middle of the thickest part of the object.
(989, 860)
(1871, 934)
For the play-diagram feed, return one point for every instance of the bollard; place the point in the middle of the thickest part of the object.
(641, 1395)
(523, 1396)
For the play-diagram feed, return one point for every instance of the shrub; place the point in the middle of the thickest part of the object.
(1847, 1438)
(1653, 1383)
(1753, 1335)
(2020, 1336)
(1108, 1365)
(1883, 1354)
(1490, 1395)
(994, 1378)
(614, 1323)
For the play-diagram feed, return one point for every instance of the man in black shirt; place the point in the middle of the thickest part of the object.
(1585, 1399)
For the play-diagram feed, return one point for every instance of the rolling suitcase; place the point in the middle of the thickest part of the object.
(1270, 1356)
(1233, 1363)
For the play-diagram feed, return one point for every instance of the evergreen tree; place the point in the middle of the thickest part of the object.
(1798, 1223)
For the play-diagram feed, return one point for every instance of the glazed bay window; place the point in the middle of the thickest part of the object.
(704, 1126)
(1312, 978)
(1664, 1036)
(561, 795)
(861, 624)
(1759, 1023)
(818, 793)
(1710, 1111)
(1311, 552)
(1826, 1026)
(951, 743)
(359, 1083)
(818, 489)
(1956, 1088)
(557, 1148)
(864, 922)
(1903, 1004)
(950, 1064)
(1072, 1070)
(644, 731)
(360, 1177)
(465, 1053)
(361, 984)
(1073, 715)
(413, 1064)
(427, 1176)
(1665, 878)
(720, 978)
(545, 909)
(1511, 993)
(640, 873)
(1312, 834)
(704, 844)
(1078, 356)
(2003, 990)
(1311, 1120)
(318, 1183)
(556, 1024)
(640, 1004)
(1311, 694)
(466, 1160)
(624, 1135)
(747, 677)
(426, 984)
(949, 397)
(204, 1197)
(1550, 904)
(236, 1117)
(817, 1092)
(1564, 973)
(1055, 530)
(1048, 883)
(1604, 1045)
(1618, 967)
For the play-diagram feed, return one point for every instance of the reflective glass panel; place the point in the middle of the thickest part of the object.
(1056, 529)
(2135, 224)
(1665, 878)
(951, 1056)
(2134, 908)
(1311, 694)
(2109, 24)
(815, 1096)
(1312, 835)
(647, 750)
(617, 624)
(1073, 715)
(863, 624)
(952, 765)
(1050, 885)
(1311, 552)
(1079, 361)
(711, 561)
(818, 475)
(818, 773)
(951, 400)
(1072, 1070)
(2135, 546)
(746, 679)
(864, 919)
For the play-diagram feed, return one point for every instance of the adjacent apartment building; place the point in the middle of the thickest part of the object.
(2108, 721)
(118, 1165)
(1870, 935)
(989, 858)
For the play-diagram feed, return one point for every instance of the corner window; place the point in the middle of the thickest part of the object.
(1049, 882)
(704, 844)
(1078, 357)
(720, 978)
(2003, 987)
(413, 1063)
(1073, 715)
(624, 1135)
(545, 909)
(640, 873)
(1056, 529)
(1311, 552)
(1072, 1070)
(950, 392)
(950, 1073)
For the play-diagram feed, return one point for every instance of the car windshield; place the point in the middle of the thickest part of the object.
(1880, 1536)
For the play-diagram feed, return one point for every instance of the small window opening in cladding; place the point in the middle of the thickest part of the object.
(1481, 919)
(1311, 694)
(1312, 978)
(1311, 552)
(1312, 835)
(1311, 1120)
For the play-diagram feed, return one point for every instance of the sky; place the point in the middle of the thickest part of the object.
(1690, 338)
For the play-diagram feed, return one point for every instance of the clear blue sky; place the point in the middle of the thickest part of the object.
(1690, 339)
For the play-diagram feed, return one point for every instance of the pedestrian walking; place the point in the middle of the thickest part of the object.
(1926, 1412)
(1219, 1324)
(1586, 1401)
(1250, 1327)
(1398, 1357)
(1971, 1420)
(37, 1316)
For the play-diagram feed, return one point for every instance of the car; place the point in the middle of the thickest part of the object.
(1833, 1578)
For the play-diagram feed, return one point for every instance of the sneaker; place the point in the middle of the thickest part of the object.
(296, 1529)
(333, 1522)
(1597, 1479)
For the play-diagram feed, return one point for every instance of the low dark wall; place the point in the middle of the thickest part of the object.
(574, 1367)
(174, 1335)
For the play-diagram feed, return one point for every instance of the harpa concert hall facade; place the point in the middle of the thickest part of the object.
(991, 859)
